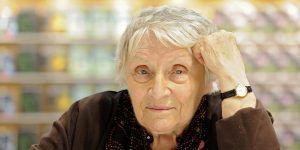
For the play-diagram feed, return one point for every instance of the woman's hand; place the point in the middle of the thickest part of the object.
(220, 54)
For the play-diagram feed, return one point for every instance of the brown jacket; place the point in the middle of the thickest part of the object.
(86, 124)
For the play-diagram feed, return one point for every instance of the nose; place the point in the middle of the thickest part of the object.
(159, 88)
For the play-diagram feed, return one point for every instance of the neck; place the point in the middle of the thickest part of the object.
(163, 141)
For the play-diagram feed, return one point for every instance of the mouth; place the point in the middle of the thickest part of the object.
(159, 108)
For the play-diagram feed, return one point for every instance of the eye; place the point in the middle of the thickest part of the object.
(142, 74)
(178, 71)
(179, 74)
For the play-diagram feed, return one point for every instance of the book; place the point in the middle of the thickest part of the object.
(102, 61)
(7, 63)
(8, 138)
(58, 98)
(30, 98)
(79, 91)
(54, 58)
(27, 136)
(79, 61)
(28, 21)
(27, 59)
(7, 101)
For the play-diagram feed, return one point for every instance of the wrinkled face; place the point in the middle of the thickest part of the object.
(165, 85)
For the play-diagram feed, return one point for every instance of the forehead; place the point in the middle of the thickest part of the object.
(150, 44)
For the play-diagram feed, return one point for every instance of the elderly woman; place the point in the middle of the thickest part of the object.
(186, 89)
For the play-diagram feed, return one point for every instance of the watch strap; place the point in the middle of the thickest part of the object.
(232, 93)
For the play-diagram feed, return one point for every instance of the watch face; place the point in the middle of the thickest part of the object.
(241, 90)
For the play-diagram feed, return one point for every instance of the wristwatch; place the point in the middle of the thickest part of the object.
(239, 91)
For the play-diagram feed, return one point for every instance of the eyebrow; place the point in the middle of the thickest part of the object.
(186, 62)
(143, 57)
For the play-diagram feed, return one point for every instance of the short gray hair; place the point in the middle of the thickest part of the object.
(170, 24)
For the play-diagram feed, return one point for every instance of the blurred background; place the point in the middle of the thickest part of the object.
(54, 52)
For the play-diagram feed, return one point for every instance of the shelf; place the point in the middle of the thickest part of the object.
(52, 78)
(48, 38)
(30, 118)
(53, 39)
(280, 118)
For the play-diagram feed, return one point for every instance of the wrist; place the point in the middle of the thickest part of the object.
(232, 105)
(229, 82)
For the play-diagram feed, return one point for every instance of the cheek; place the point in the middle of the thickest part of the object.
(182, 93)
(184, 97)
(188, 97)
(137, 94)
(188, 93)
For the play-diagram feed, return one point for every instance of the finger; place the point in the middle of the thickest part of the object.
(196, 50)
(207, 50)
(200, 59)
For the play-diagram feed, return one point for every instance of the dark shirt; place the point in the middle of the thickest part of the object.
(127, 133)
(106, 121)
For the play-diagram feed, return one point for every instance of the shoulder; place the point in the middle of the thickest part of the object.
(107, 97)
(92, 117)
(99, 106)
(85, 124)
(99, 102)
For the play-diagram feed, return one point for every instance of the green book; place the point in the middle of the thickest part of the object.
(27, 59)
(28, 21)
(26, 137)
(30, 99)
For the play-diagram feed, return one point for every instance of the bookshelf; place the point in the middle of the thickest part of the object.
(30, 118)
(53, 39)
(41, 78)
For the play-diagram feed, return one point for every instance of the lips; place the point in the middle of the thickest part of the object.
(160, 108)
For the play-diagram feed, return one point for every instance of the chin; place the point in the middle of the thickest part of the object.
(161, 127)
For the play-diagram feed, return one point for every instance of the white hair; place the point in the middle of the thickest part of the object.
(169, 24)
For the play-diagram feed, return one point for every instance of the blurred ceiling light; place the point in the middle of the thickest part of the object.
(235, 14)
(121, 10)
(291, 10)
(178, 2)
(6, 12)
(247, 8)
(62, 5)
(5, 15)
